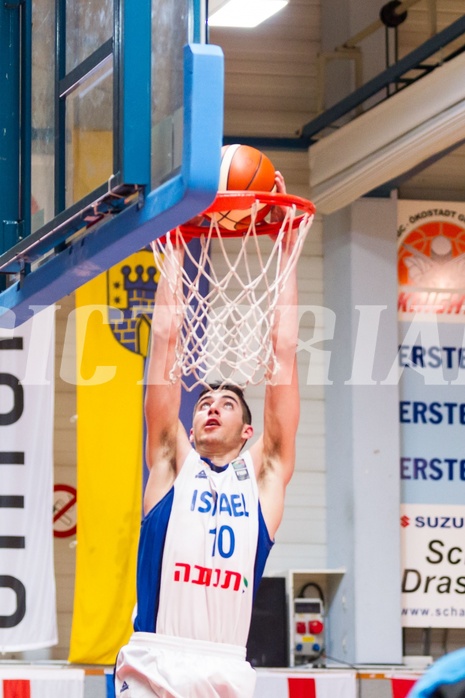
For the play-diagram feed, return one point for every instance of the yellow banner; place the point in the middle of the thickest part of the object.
(112, 334)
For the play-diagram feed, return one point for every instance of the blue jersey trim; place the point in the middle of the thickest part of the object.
(215, 468)
(264, 545)
(150, 556)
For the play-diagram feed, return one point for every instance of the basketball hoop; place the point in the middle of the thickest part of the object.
(225, 333)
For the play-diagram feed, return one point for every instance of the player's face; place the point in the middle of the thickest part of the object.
(218, 418)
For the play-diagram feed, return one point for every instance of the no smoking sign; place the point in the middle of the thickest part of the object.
(64, 511)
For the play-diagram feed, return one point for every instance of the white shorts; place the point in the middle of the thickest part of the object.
(161, 666)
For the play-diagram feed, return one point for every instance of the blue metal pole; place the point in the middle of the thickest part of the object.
(199, 9)
(9, 124)
(134, 71)
(60, 107)
(26, 116)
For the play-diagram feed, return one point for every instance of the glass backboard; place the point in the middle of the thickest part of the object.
(116, 113)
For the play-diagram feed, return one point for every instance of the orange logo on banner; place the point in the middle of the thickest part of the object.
(431, 269)
(433, 256)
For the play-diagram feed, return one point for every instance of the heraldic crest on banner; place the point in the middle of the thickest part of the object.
(131, 288)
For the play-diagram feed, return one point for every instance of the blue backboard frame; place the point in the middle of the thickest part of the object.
(97, 233)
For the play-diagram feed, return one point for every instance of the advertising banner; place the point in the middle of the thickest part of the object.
(328, 685)
(27, 581)
(40, 682)
(431, 305)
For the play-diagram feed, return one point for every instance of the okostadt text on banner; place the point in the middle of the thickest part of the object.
(27, 582)
(431, 307)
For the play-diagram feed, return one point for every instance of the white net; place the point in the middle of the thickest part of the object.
(228, 299)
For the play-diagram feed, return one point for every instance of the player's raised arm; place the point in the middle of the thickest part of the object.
(282, 401)
(163, 395)
(274, 454)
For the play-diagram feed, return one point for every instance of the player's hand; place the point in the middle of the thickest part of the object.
(277, 213)
(280, 183)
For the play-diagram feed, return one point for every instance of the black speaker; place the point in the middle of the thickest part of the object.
(267, 645)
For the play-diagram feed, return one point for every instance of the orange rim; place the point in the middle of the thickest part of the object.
(241, 200)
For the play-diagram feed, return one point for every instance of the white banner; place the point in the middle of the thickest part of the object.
(433, 552)
(27, 581)
(282, 684)
(431, 271)
(38, 682)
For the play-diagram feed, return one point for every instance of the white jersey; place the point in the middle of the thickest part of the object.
(198, 579)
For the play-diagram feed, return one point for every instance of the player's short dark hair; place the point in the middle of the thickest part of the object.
(246, 413)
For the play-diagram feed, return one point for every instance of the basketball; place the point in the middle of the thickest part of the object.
(244, 168)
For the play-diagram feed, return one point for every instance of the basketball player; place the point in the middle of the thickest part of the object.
(211, 513)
